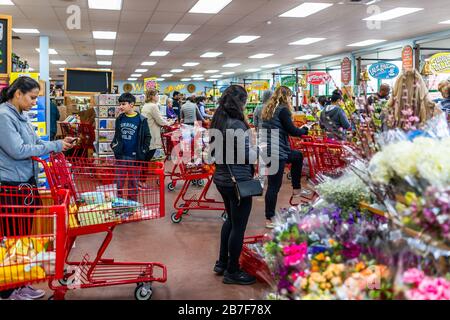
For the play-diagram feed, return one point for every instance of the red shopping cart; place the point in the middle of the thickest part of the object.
(32, 235)
(85, 134)
(105, 194)
(252, 262)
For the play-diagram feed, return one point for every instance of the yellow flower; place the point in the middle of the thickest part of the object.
(320, 257)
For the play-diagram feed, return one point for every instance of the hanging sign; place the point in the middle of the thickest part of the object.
(289, 81)
(440, 63)
(346, 71)
(318, 78)
(5, 45)
(178, 87)
(407, 58)
(150, 83)
(259, 85)
(384, 70)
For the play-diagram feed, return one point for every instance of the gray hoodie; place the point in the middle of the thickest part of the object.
(18, 143)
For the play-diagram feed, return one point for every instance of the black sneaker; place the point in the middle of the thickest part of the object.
(240, 277)
(219, 268)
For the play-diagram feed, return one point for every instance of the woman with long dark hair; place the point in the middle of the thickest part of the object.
(229, 120)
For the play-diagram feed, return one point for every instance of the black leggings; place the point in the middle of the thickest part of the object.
(275, 181)
(233, 229)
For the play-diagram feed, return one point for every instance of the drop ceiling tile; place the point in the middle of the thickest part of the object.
(224, 20)
(140, 5)
(165, 17)
(159, 28)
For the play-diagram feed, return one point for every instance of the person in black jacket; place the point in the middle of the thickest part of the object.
(333, 118)
(277, 115)
(229, 119)
(131, 142)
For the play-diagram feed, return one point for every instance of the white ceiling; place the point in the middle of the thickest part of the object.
(141, 26)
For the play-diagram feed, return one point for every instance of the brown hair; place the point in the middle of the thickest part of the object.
(282, 95)
(444, 88)
(149, 94)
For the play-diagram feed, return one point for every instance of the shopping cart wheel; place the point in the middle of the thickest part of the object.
(194, 182)
(224, 216)
(170, 186)
(143, 292)
(201, 183)
(174, 218)
(289, 176)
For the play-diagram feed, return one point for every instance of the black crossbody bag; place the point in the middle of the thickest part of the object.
(245, 189)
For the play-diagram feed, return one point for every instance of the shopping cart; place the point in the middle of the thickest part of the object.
(252, 261)
(85, 134)
(106, 193)
(32, 235)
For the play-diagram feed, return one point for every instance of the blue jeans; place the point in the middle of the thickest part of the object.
(128, 173)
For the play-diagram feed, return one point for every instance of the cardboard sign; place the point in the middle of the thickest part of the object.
(384, 70)
(346, 71)
(440, 63)
(407, 58)
(318, 78)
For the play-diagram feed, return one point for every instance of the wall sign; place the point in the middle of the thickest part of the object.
(14, 75)
(289, 81)
(318, 78)
(383, 70)
(150, 83)
(440, 63)
(5, 45)
(346, 71)
(407, 58)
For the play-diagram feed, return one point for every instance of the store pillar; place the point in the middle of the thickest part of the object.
(44, 69)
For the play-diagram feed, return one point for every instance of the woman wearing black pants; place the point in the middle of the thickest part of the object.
(229, 118)
(277, 118)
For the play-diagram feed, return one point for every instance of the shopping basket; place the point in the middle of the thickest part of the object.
(106, 193)
(252, 262)
(32, 235)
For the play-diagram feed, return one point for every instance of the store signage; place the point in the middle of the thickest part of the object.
(259, 85)
(14, 75)
(5, 45)
(384, 70)
(178, 87)
(150, 83)
(318, 78)
(440, 63)
(407, 58)
(346, 71)
(289, 81)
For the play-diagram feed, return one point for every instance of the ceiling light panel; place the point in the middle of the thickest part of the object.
(211, 54)
(21, 30)
(191, 64)
(141, 70)
(148, 63)
(159, 53)
(305, 9)
(105, 4)
(104, 52)
(177, 37)
(244, 39)
(261, 55)
(366, 43)
(306, 41)
(50, 51)
(104, 63)
(56, 62)
(392, 14)
(176, 70)
(209, 6)
(211, 71)
(231, 65)
(104, 35)
(309, 57)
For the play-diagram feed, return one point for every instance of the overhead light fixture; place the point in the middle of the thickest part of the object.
(50, 51)
(309, 57)
(105, 4)
(228, 73)
(244, 39)
(211, 54)
(104, 63)
(211, 80)
(261, 55)
(20, 30)
(104, 52)
(212, 71)
(198, 79)
(365, 43)
(231, 65)
(191, 64)
(148, 63)
(56, 62)
(160, 79)
(253, 70)
(209, 6)
(177, 36)
(196, 76)
(166, 75)
(159, 53)
(445, 22)
(217, 76)
(306, 41)
(6, 3)
(273, 65)
(60, 69)
(141, 70)
(186, 79)
(136, 75)
(306, 9)
(104, 35)
(132, 79)
(392, 14)
(176, 70)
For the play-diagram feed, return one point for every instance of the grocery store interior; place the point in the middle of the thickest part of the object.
(368, 85)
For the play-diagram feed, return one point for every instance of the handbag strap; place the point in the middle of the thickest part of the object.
(233, 178)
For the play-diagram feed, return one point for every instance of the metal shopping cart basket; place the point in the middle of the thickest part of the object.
(106, 193)
(252, 262)
(32, 235)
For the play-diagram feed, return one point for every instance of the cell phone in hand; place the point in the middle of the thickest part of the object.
(74, 141)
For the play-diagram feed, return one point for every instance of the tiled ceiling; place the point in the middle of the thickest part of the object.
(142, 25)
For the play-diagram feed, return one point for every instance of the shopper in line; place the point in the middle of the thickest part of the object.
(190, 112)
(230, 116)
(445, 103)
(18, 143)
(170, 112)
(442, 87)
(334, 120)
(131, 142)
(201, 103)
(381, 95)
(176, 104)
(277, 115)
(257, 121)
(155, 120)
(54, 118)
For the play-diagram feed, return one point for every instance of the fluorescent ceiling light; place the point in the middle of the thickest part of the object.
(244, 39)
(211, 54)
(309, 57)
(106, 35)
(392, 14)
(217, 76)
(30, 69)
(19, 30)
(159, 53)
(136, 75)
(6, 3)
(160, 79)
(57, 62)
(60, 69)
(176, 70)
(209, 6)
(104, 63)
(211, 80)
(445, 22)
(196, 76)
(211, 71)
(105, 4)
(186, 79)
(132, 79)
(141, 70)
(191, 64)
(198, 79)
(261, 55)
(50, 51)
(253, 70)
(104, 52)
(177, 36)
(166, 75)
(228, 73)
(306, 41)
(148, 63)
(365, 43)
(231, 65)
(306, 9)
(273, 65)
